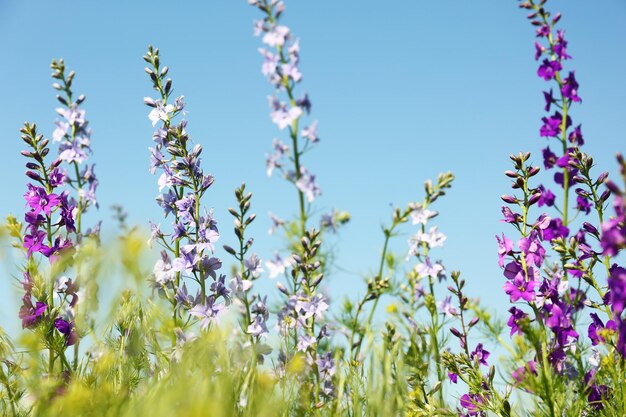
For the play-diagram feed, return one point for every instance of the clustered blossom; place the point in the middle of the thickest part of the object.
(304, 305)
(51, 223)
(190, 246)
(555, 292)
(281, 67)
(559, 125)
(73, 134)
(522, 263)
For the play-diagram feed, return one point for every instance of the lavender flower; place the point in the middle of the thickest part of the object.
(189, 248)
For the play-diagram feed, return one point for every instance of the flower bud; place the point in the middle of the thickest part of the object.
(589, 228)
(230, 250)
(533, 171)
(33, 175)
(282, 288)
(612, 187)
(473, 322)
(602, 178)
(534, 198)
(509, 199)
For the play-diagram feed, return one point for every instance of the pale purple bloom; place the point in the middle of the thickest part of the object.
(433, 238)
(60, 131)
(281, 115)
(276, 36)
(310, 132)
(73, 114)
(313, 307)
(276, 266)
(305, 342)
(159, 111)
(208, 312)
(253, 266)
(72, 152)
(239, 286)
(446, 307)
(429, 269)
(163, 272)
(291, 71)
(420, 215)
(270, 63)
(258, 327)
(307, 185)
(276, 223)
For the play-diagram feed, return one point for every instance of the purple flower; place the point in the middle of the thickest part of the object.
(509, 216)
(516, 316)
(552, 125)
(454, 378)
(39, 200)
(30, 314)
(480, 354)
(34, 242)
(570, 88)
(583, 204)
(520, 374)
(520, 288)
(613, 236)
(548, 69)
(543, 31)
(504, 247)
(576, 136)
(549, 158)
(555, 230)
(547, 197)
(67, 329)
(532, 249)
(549, 100)
(597, 325)
(617, 288)
(539, 50)
(560, 46)
(472, 403)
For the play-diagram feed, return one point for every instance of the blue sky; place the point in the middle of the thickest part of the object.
(402, 92)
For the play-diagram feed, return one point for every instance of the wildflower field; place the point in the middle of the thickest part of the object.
(184, 315)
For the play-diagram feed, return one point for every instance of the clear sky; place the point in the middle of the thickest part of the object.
(403, 90)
